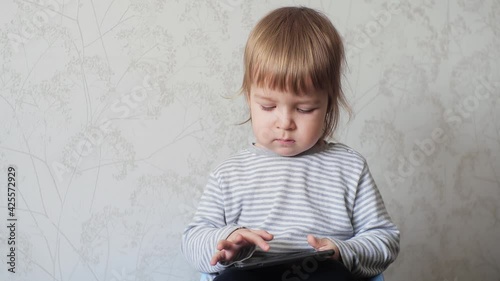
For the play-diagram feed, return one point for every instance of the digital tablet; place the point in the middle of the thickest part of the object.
(262, 259)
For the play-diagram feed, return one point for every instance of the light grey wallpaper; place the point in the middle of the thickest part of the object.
(112, 114)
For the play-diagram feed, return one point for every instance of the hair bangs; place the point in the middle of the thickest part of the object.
(281, 70)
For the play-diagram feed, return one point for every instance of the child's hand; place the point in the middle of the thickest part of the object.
(228, 249)
(321, 244)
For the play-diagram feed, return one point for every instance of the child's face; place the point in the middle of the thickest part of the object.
(286, 123)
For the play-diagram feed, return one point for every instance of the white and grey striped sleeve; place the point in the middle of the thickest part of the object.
(208, 227)
(375, 244)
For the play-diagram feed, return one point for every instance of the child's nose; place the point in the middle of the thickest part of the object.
(285, 121)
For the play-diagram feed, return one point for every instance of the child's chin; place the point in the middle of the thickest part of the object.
(287, 152)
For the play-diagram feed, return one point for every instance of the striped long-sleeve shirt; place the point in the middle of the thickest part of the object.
(327, 191)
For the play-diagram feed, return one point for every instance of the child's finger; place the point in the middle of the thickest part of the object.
(255, 239)
(321, 244)
(225, 245)
(238, 240)
(217, 257)
(313, 241)
(264, 234)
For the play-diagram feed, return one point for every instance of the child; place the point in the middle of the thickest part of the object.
(291, 190)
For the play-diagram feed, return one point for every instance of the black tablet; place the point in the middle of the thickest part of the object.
(263, 259)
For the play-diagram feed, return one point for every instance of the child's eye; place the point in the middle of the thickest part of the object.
(267, 108)
(305, 110)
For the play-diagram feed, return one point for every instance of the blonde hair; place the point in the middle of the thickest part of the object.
(292, 49)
